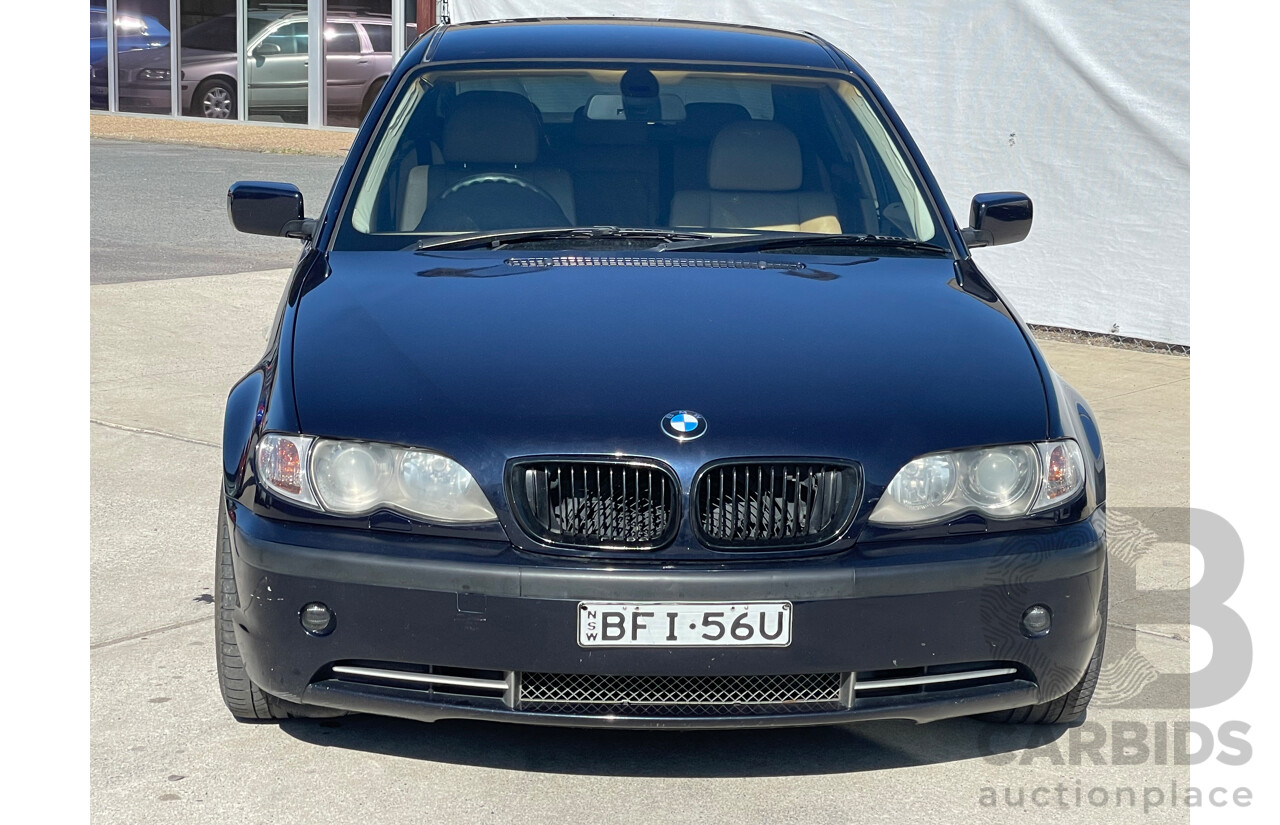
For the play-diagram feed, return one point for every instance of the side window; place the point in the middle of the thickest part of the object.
(858, 192)
(379, 36)
(903, 209)
(291, 38)
(341, 38)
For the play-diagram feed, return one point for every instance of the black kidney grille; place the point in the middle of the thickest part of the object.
(596, 504)
(773, 505)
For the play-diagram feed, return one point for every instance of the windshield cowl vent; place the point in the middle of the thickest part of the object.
(655, 261)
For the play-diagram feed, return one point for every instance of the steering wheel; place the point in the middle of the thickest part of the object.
(476, 204)
(498, 177)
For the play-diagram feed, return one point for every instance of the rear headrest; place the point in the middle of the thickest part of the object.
(492, 127)
(755, 156)
(704, 120)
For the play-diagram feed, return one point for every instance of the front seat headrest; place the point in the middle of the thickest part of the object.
(492, 127)
(755, 156)
(705, 120)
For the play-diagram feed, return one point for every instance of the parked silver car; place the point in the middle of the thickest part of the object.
(357, 62)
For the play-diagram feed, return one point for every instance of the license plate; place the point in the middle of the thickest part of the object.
(684, 624)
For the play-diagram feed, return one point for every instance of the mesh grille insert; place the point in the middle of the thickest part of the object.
(780, 504)
(595, 504)
(589, 694)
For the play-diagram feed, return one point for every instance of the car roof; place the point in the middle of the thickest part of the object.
(615, 38)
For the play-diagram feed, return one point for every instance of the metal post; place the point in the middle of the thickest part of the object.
(242, 59)
(315, 62)
(397, 30)
(175, 63)
(113, 73)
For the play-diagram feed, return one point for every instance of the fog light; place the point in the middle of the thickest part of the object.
(1036, 621)
(316, 619)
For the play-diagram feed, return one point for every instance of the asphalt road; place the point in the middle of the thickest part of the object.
(166, 348)
(160, 211)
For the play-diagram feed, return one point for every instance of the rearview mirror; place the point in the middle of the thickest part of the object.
(998, 218)
(267, 49)
(262, 208)
(666, 107)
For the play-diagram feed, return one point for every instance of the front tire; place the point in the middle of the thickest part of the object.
(246, 701)
(215, 99)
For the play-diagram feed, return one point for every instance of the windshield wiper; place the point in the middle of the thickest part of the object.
(498, 240)
(797, 240)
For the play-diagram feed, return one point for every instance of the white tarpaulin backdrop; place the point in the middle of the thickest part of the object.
(1083, 106)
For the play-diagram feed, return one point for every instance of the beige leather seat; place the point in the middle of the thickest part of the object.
(485, 132)
(754, 173)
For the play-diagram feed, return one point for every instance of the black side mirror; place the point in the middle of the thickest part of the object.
(998, 218)
(262, 208)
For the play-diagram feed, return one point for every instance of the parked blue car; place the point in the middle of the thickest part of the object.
(133, 32)
(636, 374)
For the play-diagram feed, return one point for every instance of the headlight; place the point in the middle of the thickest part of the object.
(153, 74)
(351, 478)
(282, 467)
(127, 24)
(998, 482)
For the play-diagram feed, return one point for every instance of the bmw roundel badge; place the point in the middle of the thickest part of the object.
(684, 425)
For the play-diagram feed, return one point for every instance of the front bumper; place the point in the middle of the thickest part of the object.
(483, 608)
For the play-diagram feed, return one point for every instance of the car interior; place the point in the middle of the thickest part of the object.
(484, 156)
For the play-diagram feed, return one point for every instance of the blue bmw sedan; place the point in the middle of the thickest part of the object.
(636, 374)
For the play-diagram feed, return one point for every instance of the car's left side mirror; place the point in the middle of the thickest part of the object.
(262, 208)
(998, 218)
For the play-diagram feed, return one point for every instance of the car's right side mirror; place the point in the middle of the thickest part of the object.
(997, 218)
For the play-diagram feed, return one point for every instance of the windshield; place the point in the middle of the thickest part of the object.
(645, 147)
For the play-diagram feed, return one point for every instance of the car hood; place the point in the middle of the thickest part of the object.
(485, 357)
